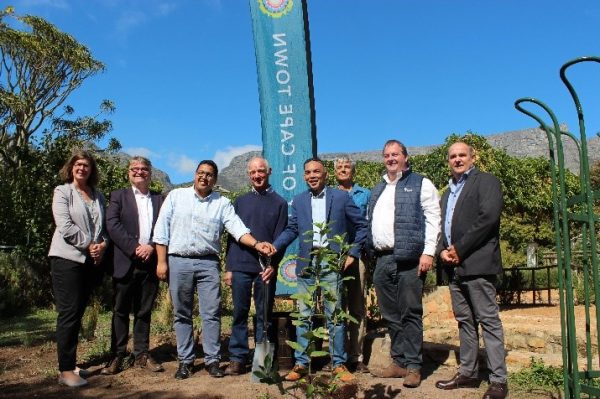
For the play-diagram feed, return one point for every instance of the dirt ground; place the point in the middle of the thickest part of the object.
(30, 372)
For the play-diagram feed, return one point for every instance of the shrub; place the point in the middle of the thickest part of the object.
(538, 375)
(22, 287)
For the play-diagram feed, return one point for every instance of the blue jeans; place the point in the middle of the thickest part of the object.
(241, 287)
(185, 275)
(399, 293)
(336, 330)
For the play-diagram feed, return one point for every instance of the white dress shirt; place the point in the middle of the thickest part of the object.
(383, 216)
(145, 215)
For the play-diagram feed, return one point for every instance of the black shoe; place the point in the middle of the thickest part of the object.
(114, 365)
(214, 370)
(458, 381)
(184, 371)
(358, 367)
(496, 390)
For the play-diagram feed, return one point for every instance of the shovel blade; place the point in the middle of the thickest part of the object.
(262, 350)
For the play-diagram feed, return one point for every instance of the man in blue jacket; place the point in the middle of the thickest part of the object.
(265, 213)
(321, 204)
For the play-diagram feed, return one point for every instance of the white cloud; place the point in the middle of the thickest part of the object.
(165, 8)
(215, 4)
(223, 157)
(143, 151)
(183, 164)
(130, 20)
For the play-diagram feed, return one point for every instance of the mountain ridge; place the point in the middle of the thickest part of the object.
(520, 143)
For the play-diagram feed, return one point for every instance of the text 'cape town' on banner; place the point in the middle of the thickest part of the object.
(282, 46)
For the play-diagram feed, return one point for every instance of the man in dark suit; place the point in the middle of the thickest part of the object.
(470, 251)
(130, 221)
(321, 204)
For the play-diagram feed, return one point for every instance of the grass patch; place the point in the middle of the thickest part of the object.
(27, 329)
(97, 347)
(538, 377)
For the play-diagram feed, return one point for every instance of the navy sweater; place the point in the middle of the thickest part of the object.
(266, 216)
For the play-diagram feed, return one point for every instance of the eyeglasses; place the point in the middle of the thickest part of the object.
(140, 170)
(208, 175)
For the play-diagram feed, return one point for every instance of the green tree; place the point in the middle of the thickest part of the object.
(41, 66)
(526, 186)
(595, 176)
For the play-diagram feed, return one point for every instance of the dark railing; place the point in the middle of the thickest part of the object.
(516, 280)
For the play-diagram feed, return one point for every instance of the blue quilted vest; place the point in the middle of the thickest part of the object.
(409, 220)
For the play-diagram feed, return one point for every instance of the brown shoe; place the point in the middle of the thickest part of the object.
(458, 381)
(342, 374)
(496, 390)
(391, 371)
(235, 368)
(297, 372)
(145, 361)
(412, 379)
(114, 365)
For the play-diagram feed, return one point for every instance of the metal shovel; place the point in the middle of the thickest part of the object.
(264, 348)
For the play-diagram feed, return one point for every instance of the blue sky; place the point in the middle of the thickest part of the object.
(182, 73)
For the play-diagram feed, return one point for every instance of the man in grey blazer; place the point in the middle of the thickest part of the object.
(130, 220)
(470, 251)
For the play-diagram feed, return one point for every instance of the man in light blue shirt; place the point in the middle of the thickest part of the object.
(187, 235)
(355, 299)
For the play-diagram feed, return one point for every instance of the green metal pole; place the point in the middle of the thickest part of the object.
(557, 237)
(588, 193)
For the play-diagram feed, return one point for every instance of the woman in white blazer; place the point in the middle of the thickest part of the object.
(76, 252)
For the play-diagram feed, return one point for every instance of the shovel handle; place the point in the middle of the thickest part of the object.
(264, 261)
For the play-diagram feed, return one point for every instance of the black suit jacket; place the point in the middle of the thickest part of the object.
(123, 227)
(475, 225)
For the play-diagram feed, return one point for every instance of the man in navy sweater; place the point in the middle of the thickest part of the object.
(265, 213)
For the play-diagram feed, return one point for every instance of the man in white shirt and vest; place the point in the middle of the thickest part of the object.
(404, 218)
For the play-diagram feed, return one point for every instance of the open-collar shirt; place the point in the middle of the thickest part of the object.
(455, 188)
(191, 225)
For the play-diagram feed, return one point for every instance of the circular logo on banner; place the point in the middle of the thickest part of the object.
(287, 273)
(276, 8)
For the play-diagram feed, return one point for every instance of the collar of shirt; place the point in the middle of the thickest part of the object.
(138, 193)
(320, 195)
(205, 199)
(464, 176)
(398, 177)
(356, 189)
(264, 192)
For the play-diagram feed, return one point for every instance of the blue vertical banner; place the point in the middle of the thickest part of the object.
(287, 106)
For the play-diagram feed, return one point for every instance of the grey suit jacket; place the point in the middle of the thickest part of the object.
(475, 225)
(73, 233)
